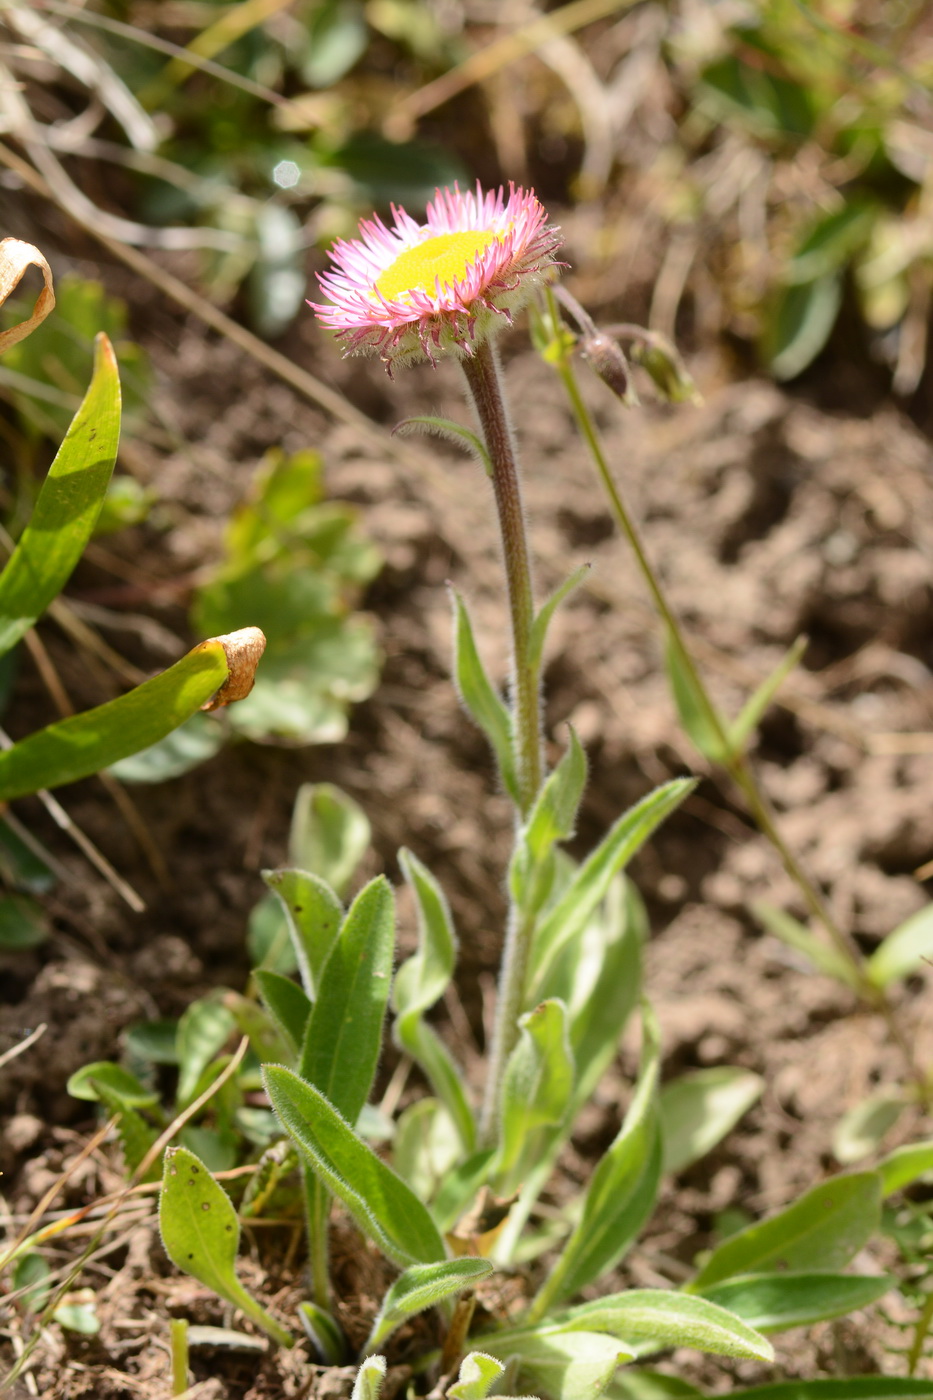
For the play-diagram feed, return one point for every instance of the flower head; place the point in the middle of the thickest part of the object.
(417, 291)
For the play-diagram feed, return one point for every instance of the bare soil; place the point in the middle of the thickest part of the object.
(767, 515)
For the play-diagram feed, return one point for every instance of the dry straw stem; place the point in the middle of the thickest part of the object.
(15, 258)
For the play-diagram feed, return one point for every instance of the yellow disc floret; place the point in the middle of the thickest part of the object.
(445, 258)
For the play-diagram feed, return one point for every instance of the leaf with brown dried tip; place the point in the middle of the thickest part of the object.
(243, 650)
(15, 257)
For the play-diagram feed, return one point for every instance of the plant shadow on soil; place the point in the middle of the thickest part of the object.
(767, 516)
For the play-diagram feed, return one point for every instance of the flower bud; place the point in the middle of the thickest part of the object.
(608, 360)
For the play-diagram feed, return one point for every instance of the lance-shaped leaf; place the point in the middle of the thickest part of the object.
(478, 1373)
(201, 1232)
(330, 834)
(136, 1135)
(700, 1108)
(552, 819)
(86, 743)
(344, 1034)
(481, 699)
(564, 1365)
(287, 1003)
(796, 935)
(902, 952)
(650, 1319)
(447, 428)
(904, 1165)
(67, 507)
(536, 1087)
(588, 887)
(419, 983)
(314, 915)
(775, 1302)
(380, 1202)
(744, 725)
(848, 1388)
(621, 1193)
(369, 1379)
(821, 1231)
(694, 707)
(420, 1287)
(543, 620)
(203, 1030)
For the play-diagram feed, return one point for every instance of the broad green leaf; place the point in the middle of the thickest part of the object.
(860, 1131)
(419, 983)
(84, 1083)
(478, 1373)
(637, 1384)
(426, 1146)
(800, 321)
(622, 1189)
(904, 1165)
(543, 620)
(700, 1108)
(483, 702)
(904, 950)
(344, 1034)
(792, 932)
(588, 887)
(267, 1040)
(314, 915)
(201, 1232)
(203, 1031)
(369, 1379)
(746, 722)
(423, 1286)
(287, 1002)
(559, 1364)
(821, 1231)
(29, 1280)
(650, 1319)
(79, 1315)
(848, 1388)
(67, 507)
(380, 1202)
(153, 1042)
(536, 1087)
(693, 705)
(776, 1302)
(193, 743)
(86, 743)
(330, 834)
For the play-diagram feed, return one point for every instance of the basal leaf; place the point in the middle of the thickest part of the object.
(847, 1388)
(287, 1002)
(478, 1373)
(904, 1165)
(330, 834)
(423, 1286)
(369, 1379)
(700, 1108)
(775, 1302)
(651, 1319)
(314, 915)
(560, 1364)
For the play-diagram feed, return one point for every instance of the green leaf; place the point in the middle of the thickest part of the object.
(821, 1231)
(86, 743)
(561, 1365)
(744, 725)
(325, 1333)
(419, 983)
(23, 923)
(700, 1108)
(192, 744)
(330, 834)
(460, 1187)
(201, 1232)
(478, 1373)
(369, 1379)
(552, 819)
(344, 1034)
(536, 1088)
(776, 1302)
(693, 707)
(859, 1131)
(314, 915)
(203, 1031)
(622, 1189)
(800, 323)
(287, 1002)
(849, 1388)
(451, 431)
(426, 1146)
(566, 921)
(792, 932)
(830, 242)
(136, 1135)
(29, 1275)
(543, 620)
(67, 506)
(420, 1287)
(632, 1384)
(83, 1084)
(80, 1317)
(904, 950)
(649, 1319)
(380, 1202)
(483, 702)
(904, 1165)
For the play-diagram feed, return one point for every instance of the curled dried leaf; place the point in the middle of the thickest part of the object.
(243, 650)
(15, 257)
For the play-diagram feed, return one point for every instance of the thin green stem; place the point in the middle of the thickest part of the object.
(178, 1345)
(482, 375)
(735, 763)
(316, 1203)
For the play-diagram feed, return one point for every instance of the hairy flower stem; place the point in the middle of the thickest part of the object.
(735, 763)
(483, 380)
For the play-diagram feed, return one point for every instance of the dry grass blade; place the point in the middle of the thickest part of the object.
(22, 1045)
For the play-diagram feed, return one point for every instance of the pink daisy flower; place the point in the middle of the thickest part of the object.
(417, 291)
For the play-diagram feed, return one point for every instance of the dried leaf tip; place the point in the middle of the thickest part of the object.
(243, 650)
